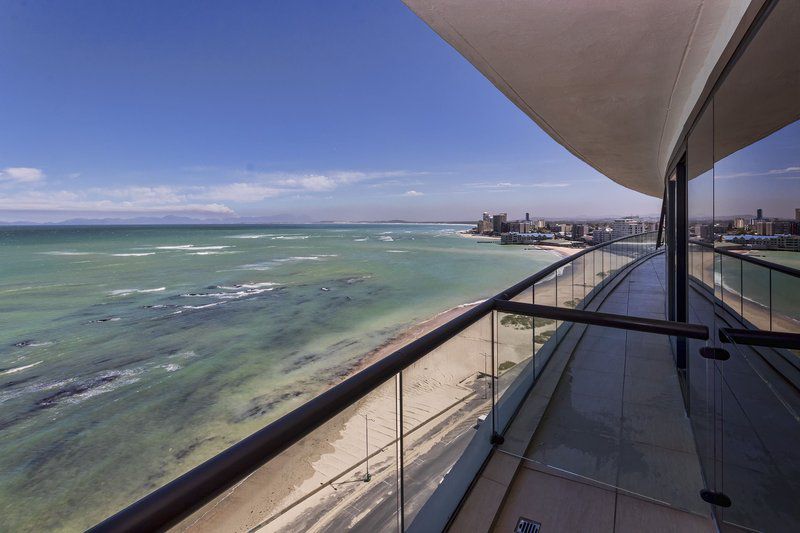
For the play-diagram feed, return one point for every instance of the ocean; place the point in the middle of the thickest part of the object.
(128, 355)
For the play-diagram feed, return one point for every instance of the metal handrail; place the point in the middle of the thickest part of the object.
(595, 318)
(747, 259)
(177, 499)
(768, 339)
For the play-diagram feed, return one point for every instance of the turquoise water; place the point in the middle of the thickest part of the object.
(130, 354)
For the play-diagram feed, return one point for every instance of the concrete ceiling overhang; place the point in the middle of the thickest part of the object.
(614, 82)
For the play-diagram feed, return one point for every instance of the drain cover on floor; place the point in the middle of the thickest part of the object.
(526, 525)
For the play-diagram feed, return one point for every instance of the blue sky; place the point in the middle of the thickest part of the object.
(343, 110)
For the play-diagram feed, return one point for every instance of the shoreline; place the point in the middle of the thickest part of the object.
(406, 336)
(278, 494)
(561, 251)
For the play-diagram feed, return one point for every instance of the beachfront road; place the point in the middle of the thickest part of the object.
(422, 477)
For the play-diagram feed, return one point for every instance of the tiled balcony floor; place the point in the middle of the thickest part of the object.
(614, 449)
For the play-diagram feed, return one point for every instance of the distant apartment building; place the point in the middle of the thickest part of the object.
(520, 226)
(797, 214)
(763, 227)
(484, 225)
(498, 221)
(540, 224)
(602, 234)
(624, 227)
(579, 231)
(524, 238)
(785, 227)
(739, 223)
(703, 231)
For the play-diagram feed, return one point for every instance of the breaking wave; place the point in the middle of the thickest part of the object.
(128, 292)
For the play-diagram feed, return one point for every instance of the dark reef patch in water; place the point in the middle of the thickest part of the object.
(184, 452)
(12, 383)
(262, 405)
(302, 361)
(25, 343)
(75, 390)
(106, 319)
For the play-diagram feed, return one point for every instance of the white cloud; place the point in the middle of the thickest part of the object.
(241, 192)
(141, 195)
(209, 198)
(505, 185)
(549, 184)
(68, 201)
(413, 193)
(310, 183)
(786, 170)
(751, 174)
(331, 180)
(21, 175)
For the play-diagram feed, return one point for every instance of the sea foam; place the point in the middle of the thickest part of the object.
(19, 368)
(191, 247)
(143, 254)
(128, 292)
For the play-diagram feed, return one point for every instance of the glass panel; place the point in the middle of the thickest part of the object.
(731, 279)
(590, 273)
(445, 419)
(525, 296)
(700, 170)
(544, 293)
(694, 251)
(756, 146)
(565, 289)
(707, 268)
(343, 476)
(515, 356)
(785, 307)
(757, 142)
(757, 465)
(602, 266)
(700, 376)
(755, 291)
(578, 282)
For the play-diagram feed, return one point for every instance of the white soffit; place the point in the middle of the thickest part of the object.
(612, 81)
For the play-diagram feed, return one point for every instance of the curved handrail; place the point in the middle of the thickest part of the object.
(747, 259)
(180, 497)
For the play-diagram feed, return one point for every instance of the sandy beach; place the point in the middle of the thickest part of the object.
(560, 250)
